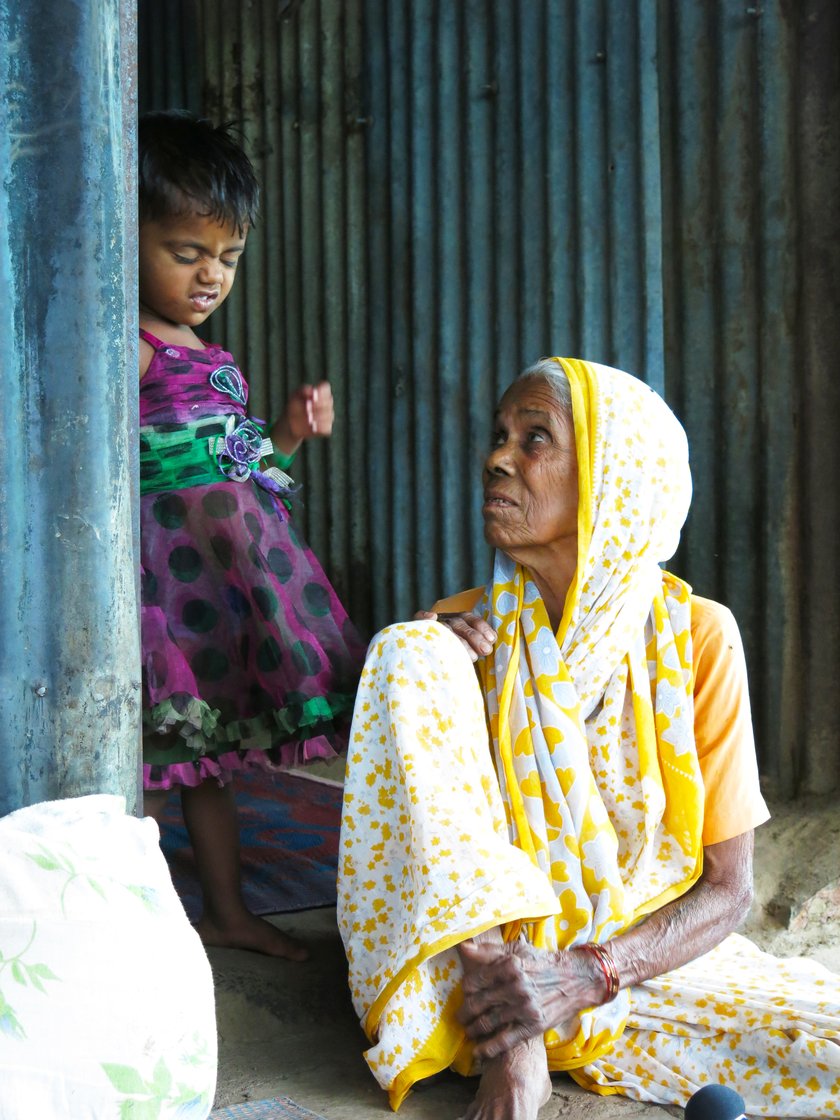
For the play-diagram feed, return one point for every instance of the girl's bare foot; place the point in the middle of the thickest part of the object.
(514, 1086)
(211, 820)
(248, 931)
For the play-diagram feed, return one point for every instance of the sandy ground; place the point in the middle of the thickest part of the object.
(290, 1030)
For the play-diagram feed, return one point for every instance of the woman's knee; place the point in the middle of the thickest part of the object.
(422, 640)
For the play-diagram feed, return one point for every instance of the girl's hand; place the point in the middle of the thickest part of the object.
(309, 412)
(477, 636)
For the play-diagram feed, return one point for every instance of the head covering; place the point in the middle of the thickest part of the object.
(592, 726)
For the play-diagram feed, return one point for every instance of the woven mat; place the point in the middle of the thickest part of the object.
(276, 1108)
(289, 828)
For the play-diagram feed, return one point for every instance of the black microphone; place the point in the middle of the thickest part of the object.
(715, 1102)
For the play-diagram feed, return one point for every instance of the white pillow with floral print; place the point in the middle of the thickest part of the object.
(106, 993)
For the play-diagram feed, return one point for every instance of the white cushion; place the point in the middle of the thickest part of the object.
(106, 993)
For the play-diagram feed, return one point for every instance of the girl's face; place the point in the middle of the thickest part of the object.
(187, 267)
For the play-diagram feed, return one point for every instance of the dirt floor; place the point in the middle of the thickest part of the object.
(287, 1029)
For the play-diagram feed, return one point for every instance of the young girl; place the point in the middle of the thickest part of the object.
(249, 659)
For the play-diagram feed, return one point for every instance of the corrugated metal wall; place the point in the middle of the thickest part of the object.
(750, 97)
(454, 189)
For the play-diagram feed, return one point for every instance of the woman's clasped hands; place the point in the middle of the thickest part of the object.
(514, 992)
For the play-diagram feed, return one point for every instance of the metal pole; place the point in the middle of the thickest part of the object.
(69, 644)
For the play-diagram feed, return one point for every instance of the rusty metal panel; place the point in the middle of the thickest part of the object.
(69, 656)
(454, 189)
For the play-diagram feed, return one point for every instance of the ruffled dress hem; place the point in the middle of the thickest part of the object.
(223, 767)
(275, 740)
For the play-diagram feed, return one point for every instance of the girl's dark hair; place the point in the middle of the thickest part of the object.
(188, 165)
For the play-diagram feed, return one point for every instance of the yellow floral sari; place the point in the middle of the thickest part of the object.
(582, 813)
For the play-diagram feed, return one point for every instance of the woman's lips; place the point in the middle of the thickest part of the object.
(495, 502)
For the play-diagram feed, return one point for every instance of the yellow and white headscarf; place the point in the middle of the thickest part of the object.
(592, 727)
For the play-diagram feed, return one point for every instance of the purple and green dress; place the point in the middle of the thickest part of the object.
(249, 658)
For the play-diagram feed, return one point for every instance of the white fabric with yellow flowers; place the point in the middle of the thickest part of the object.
(593, 774)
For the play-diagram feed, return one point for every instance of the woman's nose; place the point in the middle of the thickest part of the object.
(499, 460)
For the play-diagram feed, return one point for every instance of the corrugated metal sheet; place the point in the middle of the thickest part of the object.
(811, 748)
(751, 155)
(69, 656)
(454, 189)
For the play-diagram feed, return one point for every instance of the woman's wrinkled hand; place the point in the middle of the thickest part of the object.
(515, 992)
(477, 636)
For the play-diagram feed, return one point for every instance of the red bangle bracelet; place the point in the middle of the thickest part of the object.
(604, 958)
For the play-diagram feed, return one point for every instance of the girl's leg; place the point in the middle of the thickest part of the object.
(211, 819)
(154, 802)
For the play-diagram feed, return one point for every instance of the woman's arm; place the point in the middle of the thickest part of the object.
(692, 925)
(516, 993)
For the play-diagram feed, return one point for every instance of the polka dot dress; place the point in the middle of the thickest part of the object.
(249, 658)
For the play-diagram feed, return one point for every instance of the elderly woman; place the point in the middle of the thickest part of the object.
(542, 862)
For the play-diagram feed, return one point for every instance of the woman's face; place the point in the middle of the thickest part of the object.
(531, 475)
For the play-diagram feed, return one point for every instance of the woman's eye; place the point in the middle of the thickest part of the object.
(497, 439)
(536, 437)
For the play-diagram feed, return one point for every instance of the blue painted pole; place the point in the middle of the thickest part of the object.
(69, 644)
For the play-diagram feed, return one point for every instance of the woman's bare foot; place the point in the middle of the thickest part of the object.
(248, 931)
(514, 1086)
